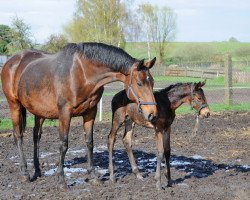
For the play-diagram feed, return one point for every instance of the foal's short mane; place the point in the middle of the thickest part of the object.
(174, 86)
(115, 58)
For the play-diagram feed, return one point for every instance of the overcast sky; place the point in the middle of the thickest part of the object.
(197, 20)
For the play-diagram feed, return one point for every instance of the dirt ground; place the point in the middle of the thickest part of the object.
(214, 164)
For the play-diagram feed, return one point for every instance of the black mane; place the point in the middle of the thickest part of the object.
(174, 86)
(115, 58)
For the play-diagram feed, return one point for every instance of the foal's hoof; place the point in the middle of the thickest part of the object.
(25, 178)
(140, 177)
(63, 186)
(95, 181)
(112, 180)
(159, 186)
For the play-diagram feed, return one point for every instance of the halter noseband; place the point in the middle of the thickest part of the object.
(139, 101)
(201, 105)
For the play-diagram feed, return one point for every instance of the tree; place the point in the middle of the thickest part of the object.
(55, 43)
(232, 39)
(99, 21)
(20, 36)
(4, 38)
(160, 26)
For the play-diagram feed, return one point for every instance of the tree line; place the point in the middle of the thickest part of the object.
(114, 22)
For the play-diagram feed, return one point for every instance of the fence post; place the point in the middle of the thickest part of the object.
(228, 79)
(100, 110)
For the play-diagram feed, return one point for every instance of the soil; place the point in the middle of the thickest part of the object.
(213, 164)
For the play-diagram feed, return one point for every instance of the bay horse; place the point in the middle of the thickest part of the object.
(70, 83)
(168, 100)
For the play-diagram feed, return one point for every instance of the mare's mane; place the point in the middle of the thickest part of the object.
(115, 58)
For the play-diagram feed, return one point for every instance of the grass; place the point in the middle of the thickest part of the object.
(6, 124)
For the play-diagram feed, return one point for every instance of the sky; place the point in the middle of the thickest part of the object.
(197, 20)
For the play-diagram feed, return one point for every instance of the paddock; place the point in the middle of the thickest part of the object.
(215, 164)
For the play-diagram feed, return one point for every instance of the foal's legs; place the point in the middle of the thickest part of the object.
(127, 141)
(37, 132)
(116, 124)
(88, 123)
(167, 150)
(18, 116)
(159, 144)
(64, 124)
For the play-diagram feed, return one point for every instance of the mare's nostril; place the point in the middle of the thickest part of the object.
(150, 117)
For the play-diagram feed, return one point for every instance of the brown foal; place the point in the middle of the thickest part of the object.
(168, 100)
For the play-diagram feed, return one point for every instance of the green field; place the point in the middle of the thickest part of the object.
(238, 50)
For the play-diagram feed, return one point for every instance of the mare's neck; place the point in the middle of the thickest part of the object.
(108, 76)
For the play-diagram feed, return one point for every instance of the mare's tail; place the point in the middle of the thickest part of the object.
(22, 123)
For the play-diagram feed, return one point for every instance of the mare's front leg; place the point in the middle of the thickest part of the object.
(37, 132)
(127, 141)
(88, 124)
(167, 151)
(160, 150)
(64, 124)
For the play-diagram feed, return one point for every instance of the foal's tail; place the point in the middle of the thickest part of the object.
(22, 122)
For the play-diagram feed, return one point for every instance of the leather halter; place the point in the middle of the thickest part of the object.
(201, 105)
(139, 101)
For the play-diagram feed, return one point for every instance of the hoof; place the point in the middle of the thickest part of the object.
(170, 183)
(25, 178)
(63, 186)
(95, 181)
(159, 187)
(112, 180)
(140, 177)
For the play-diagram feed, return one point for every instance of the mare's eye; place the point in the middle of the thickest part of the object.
(139, 83)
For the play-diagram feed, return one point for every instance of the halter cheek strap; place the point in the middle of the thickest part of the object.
(130, 89)
(201, 105)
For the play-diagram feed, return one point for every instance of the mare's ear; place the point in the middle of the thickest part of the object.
(149, 64)
(200, 84)
(140, 65)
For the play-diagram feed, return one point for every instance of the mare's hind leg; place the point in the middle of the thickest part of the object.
(88, 124)
(160, 150)
(117, 121)
(127, 141)
(18, 116)
(37, 132)
(167, 151)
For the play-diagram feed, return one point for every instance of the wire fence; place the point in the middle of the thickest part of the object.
(216, 89)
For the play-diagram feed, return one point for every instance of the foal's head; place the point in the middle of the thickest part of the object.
(198, 100)
(139, 88)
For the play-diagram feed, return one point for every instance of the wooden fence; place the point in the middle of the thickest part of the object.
(198, 73)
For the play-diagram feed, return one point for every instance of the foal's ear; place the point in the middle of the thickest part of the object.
(140, 65)
(149, 64)
(200, 84)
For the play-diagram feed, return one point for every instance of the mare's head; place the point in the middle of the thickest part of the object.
(139, 88)
(198, 100)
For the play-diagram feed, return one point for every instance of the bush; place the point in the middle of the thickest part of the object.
(195, 52)
(55, 43)
(243, 52)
